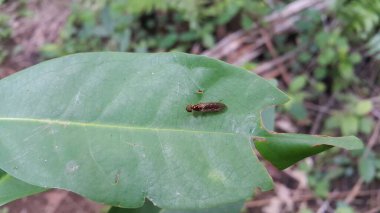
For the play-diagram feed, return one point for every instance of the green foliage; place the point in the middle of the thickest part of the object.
(360, 18)
(327, 167)
(334, 59)
(344, 208)
(148, 207)
(295, 106)
(373, 46)
(298, 83)
(367, 167)
(330, 54)
(141, 26)
(5, 34)
(353, 119)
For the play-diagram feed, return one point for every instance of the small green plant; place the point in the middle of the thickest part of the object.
(360, 18)
(141, 26)
(353, 119)
(327, 168)
(334, 56)
(329, 44)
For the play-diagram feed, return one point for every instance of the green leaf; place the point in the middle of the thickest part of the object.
(320, 73)
(13, 189)
(363, 107)
(113, 127)
(334, 121)
(304, 57)
(246, 22)
(322, 188)
(148, 207)
(322, 38)
(298, 110)
(344, 208)
(346, 70)
(377, 163)
(168, 40)
(298, 83)
(283, 150)
(355, 58)
(367, 168)
(208, 40)
(366, 125)
(327, 56)
(319, 87)
(350, 125)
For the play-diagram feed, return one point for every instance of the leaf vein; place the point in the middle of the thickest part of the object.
(99, 125)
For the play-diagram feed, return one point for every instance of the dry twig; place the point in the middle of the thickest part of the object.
(321, 114)
(242, 46)
(273, 52)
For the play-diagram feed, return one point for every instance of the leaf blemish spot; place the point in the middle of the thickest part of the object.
(217, 176)
(117, 178)
(71, 167)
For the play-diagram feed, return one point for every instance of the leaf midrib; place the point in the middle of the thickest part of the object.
(99, 125)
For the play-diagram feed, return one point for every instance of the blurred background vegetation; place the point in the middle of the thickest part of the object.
(324, 53)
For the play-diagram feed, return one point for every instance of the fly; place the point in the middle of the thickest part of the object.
(206, 107)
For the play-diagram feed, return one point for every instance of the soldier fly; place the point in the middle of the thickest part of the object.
(206, 107)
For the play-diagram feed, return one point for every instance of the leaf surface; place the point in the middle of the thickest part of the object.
(113, 127)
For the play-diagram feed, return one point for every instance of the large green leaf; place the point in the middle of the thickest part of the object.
(12, 189)
(113, 127)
